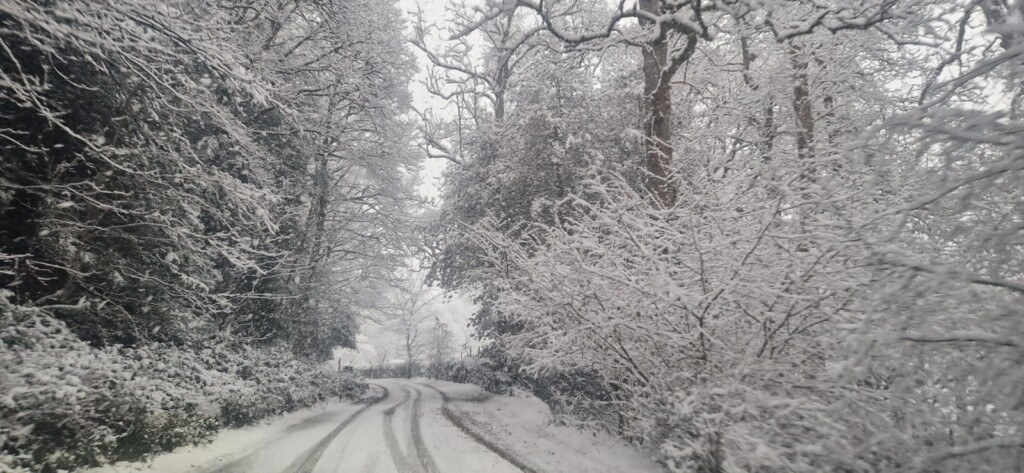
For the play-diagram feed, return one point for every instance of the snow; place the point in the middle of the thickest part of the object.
(370, 445)
(267, 447)
(522, 425)
(406, 431)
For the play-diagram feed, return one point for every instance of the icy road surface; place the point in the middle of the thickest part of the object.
(415, 426)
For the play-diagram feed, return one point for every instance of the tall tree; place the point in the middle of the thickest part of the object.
(232, 162)
(667, 38)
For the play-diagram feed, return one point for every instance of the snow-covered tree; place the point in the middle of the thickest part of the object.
(837, 181)
(205, 166)
(197, 201)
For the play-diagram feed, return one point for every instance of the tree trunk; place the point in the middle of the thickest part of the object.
(658, 115)
(499, 104)
(802, 108)
(766, 126)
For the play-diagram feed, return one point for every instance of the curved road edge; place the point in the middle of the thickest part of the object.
(454, 418)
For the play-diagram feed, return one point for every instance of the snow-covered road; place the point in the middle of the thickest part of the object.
(416, 426)
(404, 432)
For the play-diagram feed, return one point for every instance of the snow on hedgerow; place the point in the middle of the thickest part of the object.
(65, 404)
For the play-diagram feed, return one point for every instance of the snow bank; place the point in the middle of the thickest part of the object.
(523, 426)
(269, 445)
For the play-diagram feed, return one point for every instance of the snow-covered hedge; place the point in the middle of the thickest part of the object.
(65, 404)
(474, 371)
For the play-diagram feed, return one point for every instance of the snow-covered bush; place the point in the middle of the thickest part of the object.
(734, 336)
(732, 425)
(66, 404)
(270, 382)
(473, 370)
(710, 329)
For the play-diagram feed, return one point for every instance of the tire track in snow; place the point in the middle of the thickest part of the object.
(449, 414)
(391, 440)
(243, 463)
(308, 459)
(426, 461)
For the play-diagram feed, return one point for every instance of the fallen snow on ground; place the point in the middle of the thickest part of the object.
(522, 426)
(265, 447)
(407, 429)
